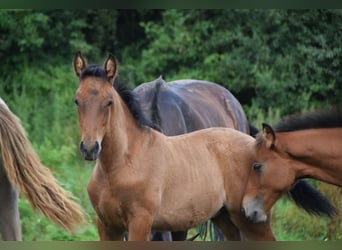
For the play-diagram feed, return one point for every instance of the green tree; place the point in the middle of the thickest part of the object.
(290, 59)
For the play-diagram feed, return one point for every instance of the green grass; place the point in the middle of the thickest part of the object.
(292, 223)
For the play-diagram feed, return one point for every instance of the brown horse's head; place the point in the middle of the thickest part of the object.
(94, 99)
(270, 178)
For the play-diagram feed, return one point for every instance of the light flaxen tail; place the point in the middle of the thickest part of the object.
(26, 173)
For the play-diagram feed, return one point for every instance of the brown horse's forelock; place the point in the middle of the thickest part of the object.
(93, 70)
(25, 172)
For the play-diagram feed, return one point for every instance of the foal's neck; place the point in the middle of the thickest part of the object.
(123, 135)
(318, 153)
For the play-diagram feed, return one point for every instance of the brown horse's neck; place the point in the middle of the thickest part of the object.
(315, 153)
(123, 135)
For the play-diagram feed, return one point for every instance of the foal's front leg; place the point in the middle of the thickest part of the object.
(139, 226)
(107, 233)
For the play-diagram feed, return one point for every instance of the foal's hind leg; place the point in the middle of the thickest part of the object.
(228, 229)
(10, 226)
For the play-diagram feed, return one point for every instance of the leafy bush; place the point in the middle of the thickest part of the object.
(268, 57)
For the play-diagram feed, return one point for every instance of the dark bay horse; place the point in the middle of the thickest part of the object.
(144, 180)
(301, 146)
(21, 169)
(183, 106)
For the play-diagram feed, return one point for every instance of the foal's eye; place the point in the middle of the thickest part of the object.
(110, 103)
(257, 166)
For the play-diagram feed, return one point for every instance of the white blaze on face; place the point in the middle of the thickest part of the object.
(2, 102)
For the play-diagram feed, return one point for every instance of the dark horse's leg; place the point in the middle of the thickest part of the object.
(161, 236)
(223, 222)
(179, 235)
(10, 226)
(169, 236)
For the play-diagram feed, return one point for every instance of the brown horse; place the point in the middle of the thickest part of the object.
(21, 170)
(302, 146)
(146, 180)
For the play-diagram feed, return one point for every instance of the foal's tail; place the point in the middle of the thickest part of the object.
(25, 172)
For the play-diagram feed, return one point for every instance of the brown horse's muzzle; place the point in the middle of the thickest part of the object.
(253, 210)
(90, 151)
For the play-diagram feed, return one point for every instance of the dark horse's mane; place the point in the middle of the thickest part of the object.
(125, 93)
(323, 118)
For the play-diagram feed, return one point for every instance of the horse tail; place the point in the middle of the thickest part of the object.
(311, 200)
(27, 174)
(154, 107)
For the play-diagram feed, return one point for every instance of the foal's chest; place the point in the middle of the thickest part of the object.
(105, 202)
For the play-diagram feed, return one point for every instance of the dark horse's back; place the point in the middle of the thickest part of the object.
(183, 106)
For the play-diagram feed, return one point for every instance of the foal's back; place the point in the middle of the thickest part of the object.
(200, 173)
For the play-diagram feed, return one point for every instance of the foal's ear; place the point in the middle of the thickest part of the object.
(79, 63)
(268, 134)
(111, 68)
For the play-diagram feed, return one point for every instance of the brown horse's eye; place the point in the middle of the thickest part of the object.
(257, 166)
(76, 102)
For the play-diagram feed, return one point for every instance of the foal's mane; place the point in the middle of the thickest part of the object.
(323, 118)
(124, 92)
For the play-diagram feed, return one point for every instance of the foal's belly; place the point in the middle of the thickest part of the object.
(187, 212)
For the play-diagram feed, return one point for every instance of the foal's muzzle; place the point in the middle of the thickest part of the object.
(90, 152)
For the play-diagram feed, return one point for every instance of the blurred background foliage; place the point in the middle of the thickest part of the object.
(276, 62)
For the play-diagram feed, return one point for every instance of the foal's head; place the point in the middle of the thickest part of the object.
(94, 99)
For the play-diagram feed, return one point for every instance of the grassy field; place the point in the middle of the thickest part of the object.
(51, 124)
